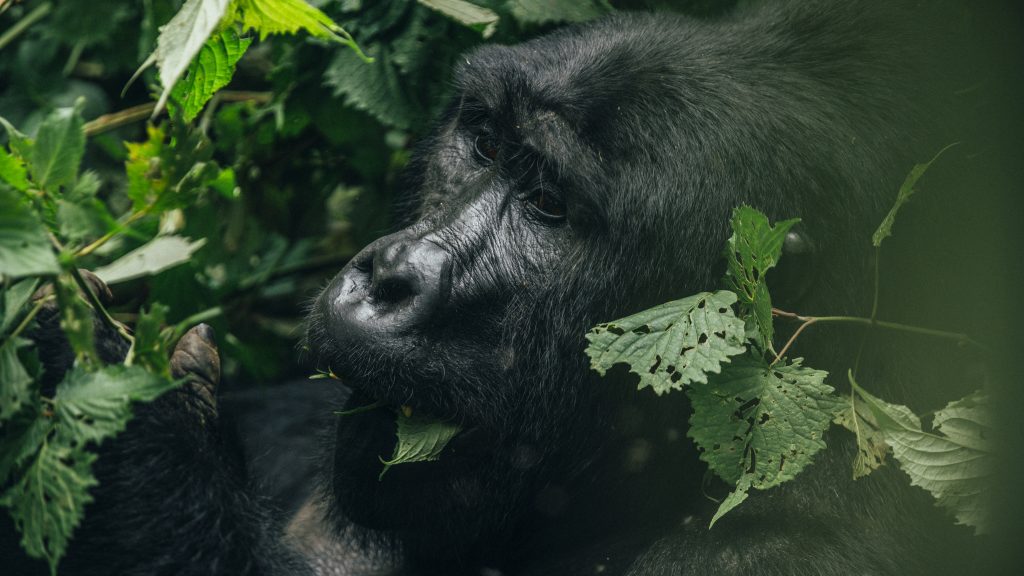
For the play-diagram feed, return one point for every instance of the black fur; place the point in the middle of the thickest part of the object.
(650, 129)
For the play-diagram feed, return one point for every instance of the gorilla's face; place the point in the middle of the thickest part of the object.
(541, 212)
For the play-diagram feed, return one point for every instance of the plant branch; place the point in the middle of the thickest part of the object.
(25, 23)
(106, 237)
(141, 112)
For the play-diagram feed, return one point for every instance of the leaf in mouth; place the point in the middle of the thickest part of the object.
(420, 439)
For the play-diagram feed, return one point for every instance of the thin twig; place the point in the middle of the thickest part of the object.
(792, 339)
(141, 112)
(26, 21)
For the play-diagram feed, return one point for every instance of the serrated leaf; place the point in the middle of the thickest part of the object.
(761, 421)
(155, 256)
(374, 88)
(58, 149)
(93, 406)
(22, 437)
(754, 249)
(20, 144)
(671, 345)
(150, 349)
(15, 383)
(210, 71)
(12, 170)
(48, 501)
(14, 300)
(420, 439)
(77, 221)
(734, 499)
(86, 187)
(871, 446)
(902, 197)
(483, 20)
(24, 247)
(954, 463)
(268, 17)
(181, 39)
(547, 11)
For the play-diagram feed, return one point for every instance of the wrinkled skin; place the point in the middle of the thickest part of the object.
(573, 179)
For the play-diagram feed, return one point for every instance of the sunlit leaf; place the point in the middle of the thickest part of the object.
(12, 170)
(157, 255)
(211, 70)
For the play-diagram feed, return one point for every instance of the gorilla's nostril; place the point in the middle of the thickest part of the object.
(392, 290)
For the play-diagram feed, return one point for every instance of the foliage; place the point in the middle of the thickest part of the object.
(759, 418)
(420, 439)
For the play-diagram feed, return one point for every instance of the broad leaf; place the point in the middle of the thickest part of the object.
(268, 17)
(157, 255)
(419, 439)
(181, 39)
(16, 387)
(210, 71)
(904, 194)
(146, 179)
(761, 421)
(58, 149)
(954, 462)
(24, 247)
(483, 20)
(671, 345)
(753, 250)
(14, 299)
(92, 406)
(22, 437)
(12, 170)
(48, 501)
(150, 350)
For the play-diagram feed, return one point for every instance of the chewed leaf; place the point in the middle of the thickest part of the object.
(671, 345)
(420, 439)
(761, 422)
(754, 249)
(954, 462)
(872, 449)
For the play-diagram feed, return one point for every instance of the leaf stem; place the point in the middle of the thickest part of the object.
(26, 21)
(26, 320)
(106, 237)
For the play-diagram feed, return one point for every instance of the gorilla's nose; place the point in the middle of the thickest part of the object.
(390, 288)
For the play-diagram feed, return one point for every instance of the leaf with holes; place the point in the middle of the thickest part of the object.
(871, 446)
(671, 345)
(420, 439)
(954, 462)
(754, 249)
(759, 420)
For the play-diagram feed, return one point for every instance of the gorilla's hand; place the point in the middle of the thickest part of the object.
(195, 359)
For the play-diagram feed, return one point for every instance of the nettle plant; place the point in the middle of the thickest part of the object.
(758, 416)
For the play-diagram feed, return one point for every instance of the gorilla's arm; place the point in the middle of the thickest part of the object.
(172, 495)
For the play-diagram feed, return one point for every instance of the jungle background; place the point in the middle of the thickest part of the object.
(316, 139)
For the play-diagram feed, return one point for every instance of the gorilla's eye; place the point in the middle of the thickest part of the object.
(547, 204)
(486, 147)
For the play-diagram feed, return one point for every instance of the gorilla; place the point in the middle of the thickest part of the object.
(573, 179)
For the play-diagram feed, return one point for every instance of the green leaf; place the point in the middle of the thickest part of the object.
(181, 39)
(904, 194)
(761, 421)
(150, 349)
(871, 446)
(146, 179)
(155, 256)
(92, 406)
(22, 437)
(15, 384)
(287, 17)
(12, 171)
(58, 150)
(954, 463)
(210, 71)
(24, 248)
(375, 88)
(20, 144)
(14, 300)
(483, 20)
(76, 319)
(754, 249)
(80, 220)
(48, 501)
(420, 439)
(548, 11)
(734, 499)
(671, 345)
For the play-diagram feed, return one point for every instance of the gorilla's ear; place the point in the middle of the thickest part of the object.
(797, 269)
